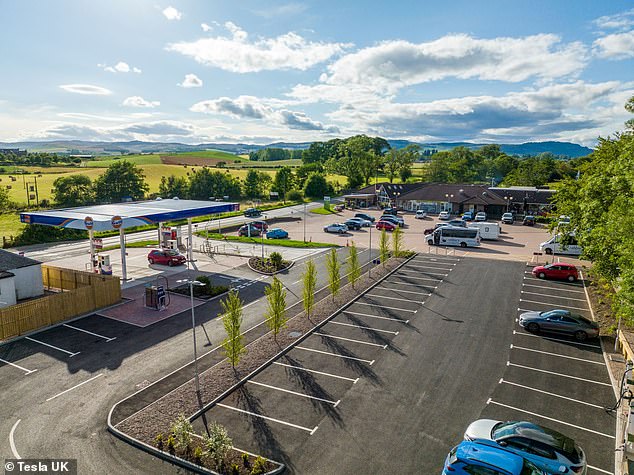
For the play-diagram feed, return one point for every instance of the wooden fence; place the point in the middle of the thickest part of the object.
(78, 293)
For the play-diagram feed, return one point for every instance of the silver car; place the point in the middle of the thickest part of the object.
(560, 321)
(364, 223)
(336, 228)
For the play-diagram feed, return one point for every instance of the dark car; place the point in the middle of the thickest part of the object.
(436, 226)
(364, 216)
(467, 216)
(457, 222)
(393, 219)
(167, 257)
(528, 220)
(261, 225)
(560, 321)
(392, 211)
(388, 226)
(252, 213)
(249, 230)
(556, 270)
(352, 224)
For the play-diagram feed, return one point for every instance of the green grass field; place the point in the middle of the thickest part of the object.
(10, 225)
(105, 162)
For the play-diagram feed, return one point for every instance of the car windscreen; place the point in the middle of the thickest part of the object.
(554, 439)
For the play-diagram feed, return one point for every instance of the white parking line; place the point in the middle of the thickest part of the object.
(599, 469)
(421, 286)
(335, 354)
(392, 298)
(354, 380)
(550, 304)
(74, 387)
(552, 296)
(491, 401)
(90, 333)
(351, 340)
(555, 339)
(51, 346)
(551, 288)
(12, 442)
(508, 363)
(364, 328)
(424, 258)
(26, 371)
(334, 403)
(376, 316)
(600, 363)
(427, 267)
(416, 278)
(562, 282)
(418, 272)
(311, 431)
(503, 381)
(383, 306)
(405, 291)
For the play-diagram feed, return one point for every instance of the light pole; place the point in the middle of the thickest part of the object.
(370, 253)
(191, 284)
(448, 196)
(262, 236)
(508, 199)
(304, 221)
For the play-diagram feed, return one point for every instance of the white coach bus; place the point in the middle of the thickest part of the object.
(454, 236)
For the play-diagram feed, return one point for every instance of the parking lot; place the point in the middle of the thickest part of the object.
(556, 381)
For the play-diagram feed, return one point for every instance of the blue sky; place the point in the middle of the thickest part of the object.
(257, 72)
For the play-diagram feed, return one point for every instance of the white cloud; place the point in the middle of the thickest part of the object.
(86, 89)
(120, 67)
(615, 46)
(172, 13)
(138, 101)
(206, 28)
(158, 130)
(191, 80)
(237, 54)
(619, 21)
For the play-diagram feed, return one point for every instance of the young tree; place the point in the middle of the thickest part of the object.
(182, 430)
(397, 242)
(217, 444)
(334, 273)
(354, 272)
(283, 181)
(384, 248)
(310, 284)
(5, 202)
(72, 190)
(276, 313)
(173, 186)
(233, 344)
(121, 180)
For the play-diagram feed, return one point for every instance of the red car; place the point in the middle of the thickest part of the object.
(385, 225)
(556, 270)
(261, 225)
(171, 258)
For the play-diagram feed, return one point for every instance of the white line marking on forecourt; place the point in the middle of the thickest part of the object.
(354, 380)
(403, 275)
(424, 294)
(310, 431)
(334, 403)
(428, 267)
(364, 328)
(91, 333)
(555, 339)
(26, 371)
(383, 306)
(351, 340)
(12, 442)
(553, 296)
(508, 363)
(503, 381)
(335, 354)
(74, 387)
(400, 299)
(552, 288)
(599, 469)
(601, 363)
(376, 316)
(550, 305)
(51, 346)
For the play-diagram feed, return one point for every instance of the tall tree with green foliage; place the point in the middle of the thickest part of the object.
(204, 183)
(384, 247)
(283, 181)
(5, 202)
(316, 186)
(233, 344)
(354, 268)
(309, 279)
(173, 186)
(397, 242)
(256, 183)
(333, 268)
(276, 313)
(121, 180)
(73, 190)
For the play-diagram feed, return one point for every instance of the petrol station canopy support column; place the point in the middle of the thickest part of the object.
(120, 216)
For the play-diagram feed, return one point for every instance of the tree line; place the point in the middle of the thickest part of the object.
(274, 154)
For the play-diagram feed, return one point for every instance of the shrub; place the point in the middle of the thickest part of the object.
(217, 443)
(158, 440)
(259, 466)
(276, 260)
(198, 455)
(182, 430)
(294, 195)
(235, 469)
(171, 443)
(203, 279)
(245, 460)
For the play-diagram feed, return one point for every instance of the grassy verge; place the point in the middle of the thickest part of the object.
(266, 242)
(323, 211)
(148, 243)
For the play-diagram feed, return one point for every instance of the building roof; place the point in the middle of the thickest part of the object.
(468, 194)
(531, 194)
(359, 196)
(6, 275)
(126, 214)
(371, 188)
(392, 189)
(10, 261)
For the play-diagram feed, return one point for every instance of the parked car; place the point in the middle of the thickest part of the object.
(363, 222)
(457, 222)
(397, 219)
(529, 220)
(436, 226)
(252, 213)
(469, 458)
(560, 321)
(352, 224)
(339, 208)
(549, 450)
(336, 228)
(365, 216)
(444, 215)
(481, 216)
(467, 215)
(556, 270)
(387, 225)
(390, 210)
(166, 257)
(276, 233)
(562, 244)
(261, 225)
(508, 218)
(249, 230)
(421, 214)
(563, 220)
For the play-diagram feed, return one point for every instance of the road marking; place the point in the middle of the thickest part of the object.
(427, 267)
(74, 387)
(392, 298)
(91, 333)
(26, 371)
(601, 363)
(418, 272)
(376, 316)
(383, 306)
(551, 288)
(51, 346)
(12, 442)
(415, 278)
(405, 291)
(556, 339)
(562, 282)
(335, 354)
(311, 431)
(364, 328)
(354, 380)
(334, 403)
(508, 363)
(550, 419)
(502, 381)
(552, 296)
(424, 258)
(599, 469)
(421, 286)
(350, 339)
(550, 304)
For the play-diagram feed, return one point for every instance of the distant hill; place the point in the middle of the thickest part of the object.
(566, 149)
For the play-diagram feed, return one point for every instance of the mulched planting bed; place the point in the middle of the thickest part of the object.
(200, 292)
(157, 418)
(266, 266)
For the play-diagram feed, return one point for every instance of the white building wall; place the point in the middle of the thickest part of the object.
(7, 292)
(28, 281)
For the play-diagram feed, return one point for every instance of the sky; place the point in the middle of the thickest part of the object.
(202, 71)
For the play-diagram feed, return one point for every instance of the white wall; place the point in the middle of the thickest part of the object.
(28, 281)
(7, 291)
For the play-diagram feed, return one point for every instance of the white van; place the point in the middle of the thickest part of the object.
(487, 230)
(554, 246)
(454, 236)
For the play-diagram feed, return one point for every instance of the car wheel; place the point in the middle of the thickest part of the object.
(581, 335)
(532, 327)
(542, 275)
(548, 251)
(571, 278)
(170, 263)
(151, 261)
(463, 244)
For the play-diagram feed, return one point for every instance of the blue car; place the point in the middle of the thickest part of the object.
(470, 458)
(276, 233)
(467, 216)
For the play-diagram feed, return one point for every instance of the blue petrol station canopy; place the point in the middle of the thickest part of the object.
(126, 215)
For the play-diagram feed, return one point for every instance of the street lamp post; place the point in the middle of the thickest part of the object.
(448, 196)
(304, 221)
(508, 199)
(370, 254)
